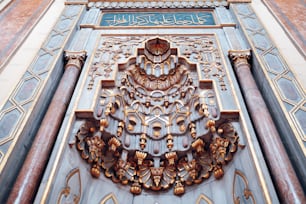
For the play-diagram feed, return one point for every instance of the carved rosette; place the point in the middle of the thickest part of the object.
(157, 128)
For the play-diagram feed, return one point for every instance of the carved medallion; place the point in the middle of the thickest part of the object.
(157, 127)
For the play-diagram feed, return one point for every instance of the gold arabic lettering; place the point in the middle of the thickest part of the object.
(157, 19)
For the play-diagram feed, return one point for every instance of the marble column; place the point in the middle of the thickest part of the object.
(32, 170)
(286, 182)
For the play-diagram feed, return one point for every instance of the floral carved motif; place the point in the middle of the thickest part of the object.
(157, 127)
(200, 50)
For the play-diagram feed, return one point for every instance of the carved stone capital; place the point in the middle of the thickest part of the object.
(75, 58)
(240, 57)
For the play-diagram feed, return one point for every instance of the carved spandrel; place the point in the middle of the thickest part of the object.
(156, 127)
(110, 52)
(205, 52)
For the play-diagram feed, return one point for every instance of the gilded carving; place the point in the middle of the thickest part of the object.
(247, 193)
(205, 53)
(196, 50)
(111, 51)
(157, 128)
(71, 193)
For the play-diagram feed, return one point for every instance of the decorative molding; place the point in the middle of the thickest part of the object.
(155, 127)
(76, 2)
(4, 3)
(156, 4)
(246, 193)
(72, 191)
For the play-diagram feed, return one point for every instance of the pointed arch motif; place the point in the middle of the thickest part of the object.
(204, 198)
(110, 197)
(247, 193)
(73, 190)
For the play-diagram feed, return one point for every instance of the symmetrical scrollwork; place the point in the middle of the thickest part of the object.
(200, 50)
(71, 193)
(157, 127)
(204, 52)
(111, 51)
(247, 193)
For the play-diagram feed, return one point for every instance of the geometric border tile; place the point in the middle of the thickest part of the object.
(287, 90)
(22, 100)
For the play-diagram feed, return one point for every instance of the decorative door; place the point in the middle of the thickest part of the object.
(157, 117)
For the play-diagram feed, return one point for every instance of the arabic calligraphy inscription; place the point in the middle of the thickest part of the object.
(158, 19)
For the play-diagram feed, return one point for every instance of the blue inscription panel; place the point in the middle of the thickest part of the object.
(158, 19)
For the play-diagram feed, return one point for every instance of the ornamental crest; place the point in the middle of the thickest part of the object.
(157, 128)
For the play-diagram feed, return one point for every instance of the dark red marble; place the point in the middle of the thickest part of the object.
(291, 15)
(32, 170)
(287, 184)
(17, 21)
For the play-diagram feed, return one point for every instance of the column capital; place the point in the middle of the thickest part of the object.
(239, 57)
(75, 58)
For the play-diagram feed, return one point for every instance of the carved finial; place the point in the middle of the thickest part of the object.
(198, 145)
(172, 157)
(136, 187)
(75, 58)
(179, 188)
(113, 143)
(140, 156)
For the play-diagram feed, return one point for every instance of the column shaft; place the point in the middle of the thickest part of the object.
(283, 174)
(32, 170)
